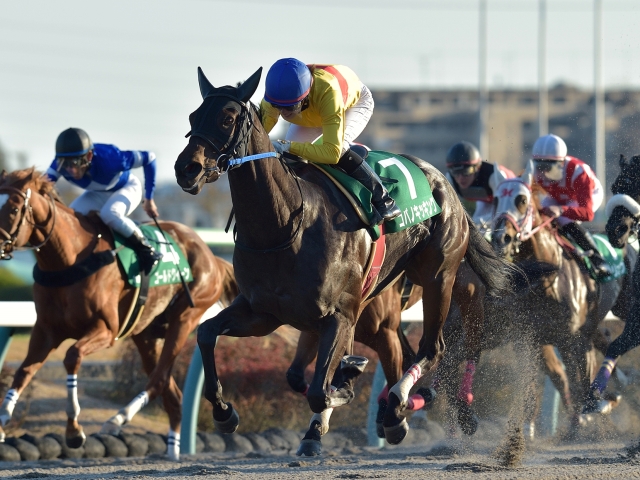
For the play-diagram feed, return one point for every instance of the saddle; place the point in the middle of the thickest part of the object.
(613, 256)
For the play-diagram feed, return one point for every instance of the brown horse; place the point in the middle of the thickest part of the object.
(93, 309)
(301, 255)
(567, 306)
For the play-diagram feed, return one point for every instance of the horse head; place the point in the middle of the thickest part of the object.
(18, 200)
(220, 131)
(623, 209)
(513, 215)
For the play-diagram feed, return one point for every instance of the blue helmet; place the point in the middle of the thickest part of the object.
(288, 82)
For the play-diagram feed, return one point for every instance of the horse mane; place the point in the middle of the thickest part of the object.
(41, 182)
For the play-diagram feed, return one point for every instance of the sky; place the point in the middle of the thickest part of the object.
(126, 70)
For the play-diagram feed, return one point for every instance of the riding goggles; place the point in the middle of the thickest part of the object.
(545, 165)
(463, 170)
(71, 162)
(288, 108)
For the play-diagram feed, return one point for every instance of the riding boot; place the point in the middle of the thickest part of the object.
(147, 255)
(585, 242)
(357, 168)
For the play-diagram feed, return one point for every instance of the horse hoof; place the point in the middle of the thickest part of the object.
(76, 441)
(229, 425)
(309, 448)
(467, 419)
(110, 428)
(396, 433)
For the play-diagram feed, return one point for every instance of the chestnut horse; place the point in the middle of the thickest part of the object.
(301, 255)
(93, 309)
(567, 306)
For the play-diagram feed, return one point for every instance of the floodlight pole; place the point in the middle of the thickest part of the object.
(483, 96)
(600, 160)
(543, 96)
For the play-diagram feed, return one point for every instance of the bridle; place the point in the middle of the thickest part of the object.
(25, 211)
(233, 153)
(524, 226)
(235, 147)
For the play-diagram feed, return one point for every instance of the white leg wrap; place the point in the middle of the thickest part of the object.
(408, 380)
(125, 414)
(173, 445)
(73, 406)
(9, 403)
(323, 418)
(135, 406)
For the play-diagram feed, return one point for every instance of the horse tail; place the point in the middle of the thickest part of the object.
(408, 354)
(497, 274)
(229, 286)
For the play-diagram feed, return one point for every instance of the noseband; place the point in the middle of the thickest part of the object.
(235, 147)
(26, 210)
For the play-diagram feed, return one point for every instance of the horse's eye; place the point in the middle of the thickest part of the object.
(228, 121)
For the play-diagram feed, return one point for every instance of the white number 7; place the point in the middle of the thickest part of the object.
(394, 161)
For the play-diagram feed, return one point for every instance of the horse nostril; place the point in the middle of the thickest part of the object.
(192, 170)
(507, 239)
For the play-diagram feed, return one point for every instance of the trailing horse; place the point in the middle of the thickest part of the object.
(82, 293)
(623, 219)
(301, 255)
(568, 304)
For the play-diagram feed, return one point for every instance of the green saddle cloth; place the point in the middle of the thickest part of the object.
(613, 256)
(166, 271)
(406, 184)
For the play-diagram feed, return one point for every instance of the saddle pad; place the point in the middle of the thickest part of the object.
(613, 256)
(166, 271)
(405, 182)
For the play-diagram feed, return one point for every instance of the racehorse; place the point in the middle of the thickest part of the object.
(93, 307)
(567, 306)
(300, 254)
(623, 217)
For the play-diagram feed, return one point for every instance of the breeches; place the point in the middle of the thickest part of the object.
(113, 207)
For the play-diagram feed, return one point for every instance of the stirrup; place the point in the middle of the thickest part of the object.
(389, 211)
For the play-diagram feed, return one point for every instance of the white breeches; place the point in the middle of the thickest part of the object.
(113, 207)
(356, 118)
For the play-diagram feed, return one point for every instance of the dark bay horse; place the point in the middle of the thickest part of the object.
(623, 219)
(300, 254)
(93, 309)
(567, 306)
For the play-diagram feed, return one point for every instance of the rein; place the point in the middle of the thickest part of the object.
(238, 145)
(10, 238)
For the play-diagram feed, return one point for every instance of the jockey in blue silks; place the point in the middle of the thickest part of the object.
(104, 172)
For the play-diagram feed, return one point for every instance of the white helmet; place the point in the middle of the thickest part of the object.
(549, 147)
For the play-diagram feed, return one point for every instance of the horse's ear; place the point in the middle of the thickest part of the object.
(249, 87)
(205, 85)
(527, 175)
(623, 161)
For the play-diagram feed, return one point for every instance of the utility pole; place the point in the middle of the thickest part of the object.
(483, 96)
(543, 96)
(599, 133)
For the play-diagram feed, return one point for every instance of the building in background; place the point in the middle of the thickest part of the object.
(427, 123)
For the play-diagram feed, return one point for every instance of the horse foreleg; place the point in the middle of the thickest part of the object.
(41, 344)
(305, 353)
(238, 320)
(98, 338)
(436, 299)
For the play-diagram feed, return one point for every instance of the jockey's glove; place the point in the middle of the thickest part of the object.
(281, 146)
(553, 211)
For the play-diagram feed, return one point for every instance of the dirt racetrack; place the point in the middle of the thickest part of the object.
(575, 461)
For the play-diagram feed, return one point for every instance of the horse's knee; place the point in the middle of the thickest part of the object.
(207, 334)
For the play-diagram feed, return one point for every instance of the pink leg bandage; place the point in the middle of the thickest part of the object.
(466, 385)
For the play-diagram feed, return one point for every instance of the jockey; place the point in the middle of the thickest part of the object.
(103, 171)
(573, 194)
(474, 180)
(327, 100)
